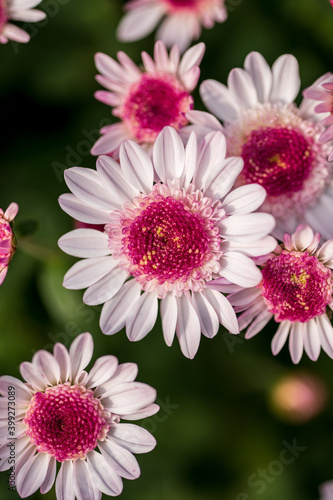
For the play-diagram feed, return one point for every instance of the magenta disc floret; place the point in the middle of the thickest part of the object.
(3, 14)
(296, 286)
(65, 421)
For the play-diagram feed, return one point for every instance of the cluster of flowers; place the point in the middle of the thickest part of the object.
(202, 216)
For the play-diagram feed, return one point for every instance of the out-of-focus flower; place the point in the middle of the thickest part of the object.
(279, 143)
(7, 239)
(146, 101)
(326, 489)
(322, 91)
(184, 19)
(17, 10)
(296, 289)
(64, 413)
(166, 239)
(298, 397)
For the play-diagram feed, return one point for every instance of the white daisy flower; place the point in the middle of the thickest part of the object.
(279, 143)
(165, 240)
(17, 10)
(64, 415)
(296, 289)
(146, 100)
(183, 22)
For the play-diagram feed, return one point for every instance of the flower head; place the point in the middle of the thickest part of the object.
(7, 239)
(146, 101)
(64, 414)
(184, 19)
(297, 291)
(165, 240)
(322, 90)
(17, 10)
(280, 144)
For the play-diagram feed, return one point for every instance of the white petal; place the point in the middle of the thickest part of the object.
(218, 100)
(15, 33)
(50, 476)
(84, 488)
(33, 375)
(129, 397)
(80, 352)
(168, 311)
(311, 340)
(62, 356)
(137, 166)
(121, 460)
(280, 337)
(286, 80)
(142, 316)
(209, 321)
(28, 16)
(211, 155)
(115, 135)
(23, 4)
(114, 312)
(247, 227)
(144, 413)
(22, 392)
(223, 309)
(168, 155)
(302, 237)
(81, 211)
(179, 29)
(258, 324)
(132, 437)
(120, 188)
(49, 366)
(11, 212)
(86, 272)
(32, 474)
(242, 89)
(240, 269)
(126, 372)
(261, 74)
(105, 288)
(64, 483)
(85, 243)
(103, 475)
(244, 199)
(326, 334)
(296, 341)
(192, 57)
(190, 160)
(225, 175)
(102, 371)
(139, 22)
(256, 248)
(86, 185)
(243, 299)
(188, 328)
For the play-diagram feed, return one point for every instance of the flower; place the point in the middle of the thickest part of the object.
(326, 491)
(7, 239)
(167, 239)
(296, 289)
(146, 101)
(17, 10)
(63, 413)
(279, 143)
(183, 22)
(322, 91)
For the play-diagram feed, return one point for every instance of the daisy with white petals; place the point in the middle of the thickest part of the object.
(17, 10)
(279, 143)
(184, 19)
(297, 290)
(165, 240)
(66, 415)
(146, 101)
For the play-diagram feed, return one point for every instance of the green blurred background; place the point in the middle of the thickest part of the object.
(216, 428)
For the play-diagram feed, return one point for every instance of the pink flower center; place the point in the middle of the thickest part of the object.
(153, 103)
(65, 421)
(168, 240)
(278, 158)
(296, 286)
(3, 14)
